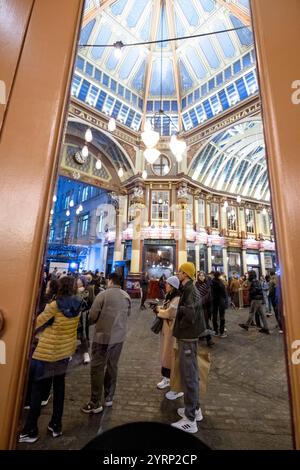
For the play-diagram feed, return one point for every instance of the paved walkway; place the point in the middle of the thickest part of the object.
(246, 405)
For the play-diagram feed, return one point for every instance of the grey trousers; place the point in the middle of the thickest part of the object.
(189, 374)
(104, 370)
(256, 306)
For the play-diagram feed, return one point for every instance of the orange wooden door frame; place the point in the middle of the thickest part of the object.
(276, 26)
(37, 63)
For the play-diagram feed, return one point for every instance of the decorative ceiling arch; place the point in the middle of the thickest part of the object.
(106, 144)
(234, 161)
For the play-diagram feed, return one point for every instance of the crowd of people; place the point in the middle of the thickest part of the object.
(193, 311)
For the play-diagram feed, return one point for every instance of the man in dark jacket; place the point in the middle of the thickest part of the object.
(189, 325)
(256, 298)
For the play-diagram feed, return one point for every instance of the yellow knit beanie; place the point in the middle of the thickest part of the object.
(189, 269)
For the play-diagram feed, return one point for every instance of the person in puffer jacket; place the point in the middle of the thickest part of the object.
(56, 343)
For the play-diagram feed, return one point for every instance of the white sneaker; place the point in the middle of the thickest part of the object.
(186, 425)
(164, 383)
(86, 358)
(45, 402)
(280, 331)
(198, 415)
(109, 403)
(173, 395)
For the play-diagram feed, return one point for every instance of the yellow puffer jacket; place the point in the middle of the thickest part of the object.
(58, 340)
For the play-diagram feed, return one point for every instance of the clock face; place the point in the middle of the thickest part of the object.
(79, 158)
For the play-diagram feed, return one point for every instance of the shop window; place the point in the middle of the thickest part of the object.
(159, 260)
(249, 218)
(217, 258)
(234, 263)
(214, 215)
(231, 218)
(201, 212)
(191, 253)
(160, 206)
(51, 235)
(203, 257)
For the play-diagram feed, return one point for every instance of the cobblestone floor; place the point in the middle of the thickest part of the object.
(246, 405)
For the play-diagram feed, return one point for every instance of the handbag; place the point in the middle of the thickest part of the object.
(157, 325)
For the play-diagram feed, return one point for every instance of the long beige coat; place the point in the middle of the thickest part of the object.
(168, 313)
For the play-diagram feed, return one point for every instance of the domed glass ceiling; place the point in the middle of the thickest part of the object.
(201, 77)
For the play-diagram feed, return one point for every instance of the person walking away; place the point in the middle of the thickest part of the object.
(168, 313)
(144, 283)
(256, 304)
(57, 342)
(109, 313)
(203, 286)
(161, 285)
(234, 290)
(218, 290)
(269, 303)
(83, 328)
(273, 296)
(189, 326)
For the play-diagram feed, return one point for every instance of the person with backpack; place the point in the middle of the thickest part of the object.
(256, 298)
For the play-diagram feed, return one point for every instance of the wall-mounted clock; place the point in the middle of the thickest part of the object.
(79, 158)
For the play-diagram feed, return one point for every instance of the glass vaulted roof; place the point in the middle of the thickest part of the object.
(191, 69)
(234, 161)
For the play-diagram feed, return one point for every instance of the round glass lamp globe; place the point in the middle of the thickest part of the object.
(151, 155)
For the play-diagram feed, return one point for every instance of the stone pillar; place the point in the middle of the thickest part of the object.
(209, 260)
(262, 262)
(244, 260)
(225, 260)
(197, 256)
(135, 254)
(182, 245)
(242, 222)
(118, 239)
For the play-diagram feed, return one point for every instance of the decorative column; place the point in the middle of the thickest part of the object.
(135, 253)
(197, 256)
(118, 244)
(139, 203)
(182, 200)
(258, 227)
(225, 260)
(244, 260)
(242, 222)
(262, 261)
(209, 260)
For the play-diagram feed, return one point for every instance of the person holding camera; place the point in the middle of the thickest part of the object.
(168, 314)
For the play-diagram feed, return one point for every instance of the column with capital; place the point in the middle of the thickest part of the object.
(207, 210)
(182, 200)
(136, 236)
